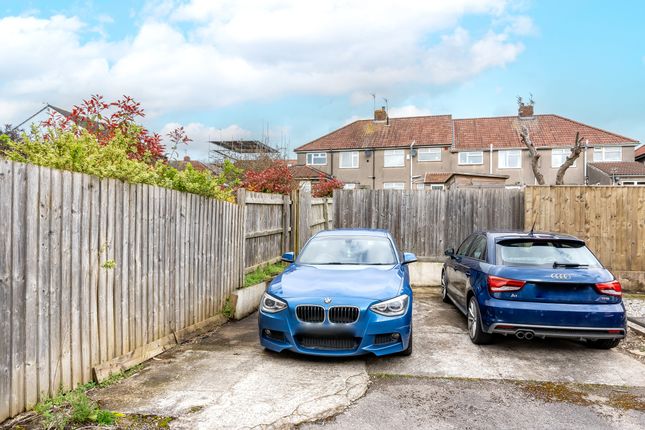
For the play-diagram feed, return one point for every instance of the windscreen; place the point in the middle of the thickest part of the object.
(544, 253)
(348, 250)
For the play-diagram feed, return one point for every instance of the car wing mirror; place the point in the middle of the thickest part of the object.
(409, 257)
(288, 257)
(450, 252)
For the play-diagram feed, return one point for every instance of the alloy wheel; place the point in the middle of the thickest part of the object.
(472, 319)
(444, 289)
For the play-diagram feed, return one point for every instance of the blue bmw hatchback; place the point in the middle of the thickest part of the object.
(347, 293)
(533, 285)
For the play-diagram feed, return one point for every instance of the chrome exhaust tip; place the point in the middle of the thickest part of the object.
(519, 334)
(528, 335)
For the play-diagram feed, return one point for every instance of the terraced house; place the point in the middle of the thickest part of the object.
(435, 152)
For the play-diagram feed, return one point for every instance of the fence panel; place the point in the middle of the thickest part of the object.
(428, 222)
(610, 219)
(92, 269)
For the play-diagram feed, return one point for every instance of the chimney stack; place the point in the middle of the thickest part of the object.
(186, 158)
(525, 111)
(380, 115)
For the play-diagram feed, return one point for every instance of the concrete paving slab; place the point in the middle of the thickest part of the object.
(226, 380)
(429, 403)
(442, 349)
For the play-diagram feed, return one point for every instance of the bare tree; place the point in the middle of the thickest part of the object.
(576, 149)
(525, 135)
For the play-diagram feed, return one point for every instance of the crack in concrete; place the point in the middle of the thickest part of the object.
(299, 417)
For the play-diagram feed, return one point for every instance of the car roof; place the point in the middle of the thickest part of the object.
(355, 232)
(510, 234)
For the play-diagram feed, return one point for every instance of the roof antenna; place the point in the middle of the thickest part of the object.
(533, 227)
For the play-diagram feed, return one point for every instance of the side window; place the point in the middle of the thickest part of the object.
(478, 248)
(465, 244)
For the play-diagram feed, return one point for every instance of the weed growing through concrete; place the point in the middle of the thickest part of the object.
(75, 408)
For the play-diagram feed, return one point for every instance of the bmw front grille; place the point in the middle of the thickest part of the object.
(310, 313)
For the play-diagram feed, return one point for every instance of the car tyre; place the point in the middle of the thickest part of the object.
(444, 288)
(408, 351)
(603, 343)
(475, 331)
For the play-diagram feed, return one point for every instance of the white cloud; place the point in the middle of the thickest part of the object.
(408, 110)
(203, 54)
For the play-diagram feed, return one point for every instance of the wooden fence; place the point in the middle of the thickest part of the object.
(610, 219)
(269, 230)
(428, 222)
(95, 269)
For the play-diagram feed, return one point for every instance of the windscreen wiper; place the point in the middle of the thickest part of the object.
(568, 265)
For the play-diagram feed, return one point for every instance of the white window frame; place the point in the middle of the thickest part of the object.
(314, 155)
(434, 155)
(600, 153)
(560, 152)
(502, 158)
(349, 186)
(420, 186)
(348, 156)
(437, 186)
(394, 185)
(391, 153)
(464, 158)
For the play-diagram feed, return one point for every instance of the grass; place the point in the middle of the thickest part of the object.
(263, 274)
(74, 408)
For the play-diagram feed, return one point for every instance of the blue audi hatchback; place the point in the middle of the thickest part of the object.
(347, 293)
(533, 285)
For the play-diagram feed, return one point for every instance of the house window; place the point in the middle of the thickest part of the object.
(349, 186)
(348, 160)
(393, 186)
(476, 157)
(394, 158)
(607, 153)
(316, 158)
(437, 186)
(420, 186)
(559, 156)
(511, 159)
(429, 154)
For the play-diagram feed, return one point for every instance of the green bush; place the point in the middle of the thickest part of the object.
(78, 151)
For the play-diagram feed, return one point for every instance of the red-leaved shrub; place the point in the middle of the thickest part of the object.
(325, 187)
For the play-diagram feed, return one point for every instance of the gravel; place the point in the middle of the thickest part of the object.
(635, 306)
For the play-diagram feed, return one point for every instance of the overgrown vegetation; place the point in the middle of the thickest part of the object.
(103, 139)
(263, 274)
(75, 408)
(82, 152)
(228, 310)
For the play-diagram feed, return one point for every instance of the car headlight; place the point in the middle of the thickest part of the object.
(392, 307)
(271, 304)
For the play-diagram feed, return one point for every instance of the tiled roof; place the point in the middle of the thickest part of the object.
(621, 168)
(425, 130)
(473, 133)
(197, 165)
(442, 177)
(306, 172)
(640, 153)
(545, 131)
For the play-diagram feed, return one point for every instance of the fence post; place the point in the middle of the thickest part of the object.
(285, 223)
(295, 200)
(326, 213)
(241, 202)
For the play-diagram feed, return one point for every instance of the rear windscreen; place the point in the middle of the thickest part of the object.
(544, 253)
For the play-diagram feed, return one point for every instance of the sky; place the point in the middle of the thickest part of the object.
(293, 70)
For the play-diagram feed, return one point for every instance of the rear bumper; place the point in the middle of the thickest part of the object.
(573, 321)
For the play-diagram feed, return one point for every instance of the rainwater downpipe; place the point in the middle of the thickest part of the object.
(490, 160)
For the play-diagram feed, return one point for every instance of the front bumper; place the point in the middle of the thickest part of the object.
(286, 332)
(558, 320)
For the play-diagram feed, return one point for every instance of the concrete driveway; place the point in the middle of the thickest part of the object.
(225, 380)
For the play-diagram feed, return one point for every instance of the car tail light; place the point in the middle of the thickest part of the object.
(612, 288)
(502, 285)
